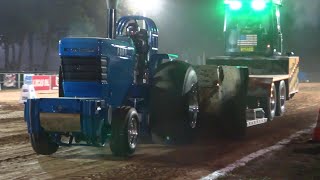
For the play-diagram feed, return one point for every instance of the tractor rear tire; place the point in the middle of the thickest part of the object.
(174, 103)
(124, 131)
(43, 144)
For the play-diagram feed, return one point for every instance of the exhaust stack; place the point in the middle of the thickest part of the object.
(112, 18)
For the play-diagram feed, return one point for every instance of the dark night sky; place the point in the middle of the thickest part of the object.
(189, 27)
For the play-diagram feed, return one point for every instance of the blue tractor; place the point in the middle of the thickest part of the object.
(111, 90)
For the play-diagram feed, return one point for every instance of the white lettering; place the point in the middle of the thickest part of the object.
(122, 52)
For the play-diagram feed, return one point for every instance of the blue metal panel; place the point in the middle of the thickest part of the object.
(59, 105)
(83, 89)
(119, 92)
(95, 47)
(122, 47)
(92, 119)
(120, 69)
(121, 63)
(86, 47)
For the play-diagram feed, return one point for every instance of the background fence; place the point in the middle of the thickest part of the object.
(49, 80)
(41, 81)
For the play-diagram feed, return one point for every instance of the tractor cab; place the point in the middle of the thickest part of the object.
(252, 27)
(144, 34)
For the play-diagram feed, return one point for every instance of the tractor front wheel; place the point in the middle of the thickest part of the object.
(42, 143)
(124, 131)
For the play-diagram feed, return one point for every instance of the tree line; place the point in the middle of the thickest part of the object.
(24, 22)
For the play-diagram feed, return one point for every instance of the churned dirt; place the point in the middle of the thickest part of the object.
(152, 161)
(298, 160)
(12, 126)
(13, 96)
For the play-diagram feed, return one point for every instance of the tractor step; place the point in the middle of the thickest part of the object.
(255, 117)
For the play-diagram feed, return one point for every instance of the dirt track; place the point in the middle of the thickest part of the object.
(17, 160)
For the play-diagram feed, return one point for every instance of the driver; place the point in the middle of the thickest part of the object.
(132, 29)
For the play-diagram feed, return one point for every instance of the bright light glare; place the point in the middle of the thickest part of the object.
(278, 13)
(258, 5)
(235, 5)
(145, 5)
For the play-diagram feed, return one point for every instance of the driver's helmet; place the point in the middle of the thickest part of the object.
(132, 28)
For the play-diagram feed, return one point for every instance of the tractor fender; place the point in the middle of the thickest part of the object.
(164, 72)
